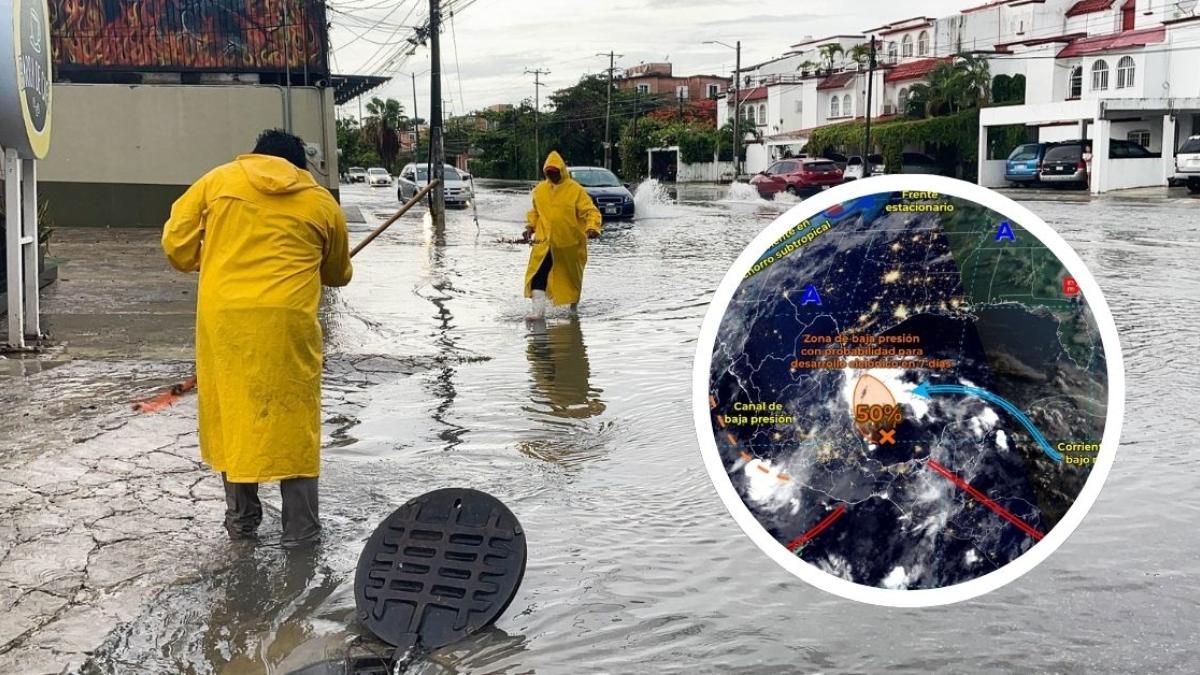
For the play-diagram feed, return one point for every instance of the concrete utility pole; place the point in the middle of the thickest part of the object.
(608, 110)
(737, 113)
(537, 140)
(416, 127)
(866, 155)
(437, 202)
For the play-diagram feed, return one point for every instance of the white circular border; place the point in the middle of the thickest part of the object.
(966, 590)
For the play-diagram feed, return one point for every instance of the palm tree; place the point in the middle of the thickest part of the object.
(383, 126)
(975, 80)
(829, 53)
(809, 66)
(861, 54)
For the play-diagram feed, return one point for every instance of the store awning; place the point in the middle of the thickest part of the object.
(350, 87)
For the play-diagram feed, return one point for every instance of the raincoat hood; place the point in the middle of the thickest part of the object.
(555, 160)
(274, 175)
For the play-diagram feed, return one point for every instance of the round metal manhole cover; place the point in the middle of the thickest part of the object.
(442, 567)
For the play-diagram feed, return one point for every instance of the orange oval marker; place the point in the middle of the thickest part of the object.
(870, 391)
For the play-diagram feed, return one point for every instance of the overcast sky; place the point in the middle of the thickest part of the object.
(497, 40)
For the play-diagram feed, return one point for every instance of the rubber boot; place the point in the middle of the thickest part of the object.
(538, 311)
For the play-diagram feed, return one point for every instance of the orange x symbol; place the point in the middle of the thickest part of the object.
(887, 436)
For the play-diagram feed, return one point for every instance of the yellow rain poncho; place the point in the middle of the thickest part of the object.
(264, 237)
(561, 217)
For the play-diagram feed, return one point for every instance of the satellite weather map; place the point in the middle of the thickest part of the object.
(908, 390)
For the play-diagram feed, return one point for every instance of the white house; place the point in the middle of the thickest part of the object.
(1096, 69)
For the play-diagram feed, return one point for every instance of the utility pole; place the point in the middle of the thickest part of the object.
(416, 126)
(608, 110)
(437, 204)
(866, 155)
(537, 140)
(737, 113)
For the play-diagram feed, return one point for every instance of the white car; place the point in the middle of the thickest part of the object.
(377, 176)
(1187, 164)
(457, 184)
(856, 168)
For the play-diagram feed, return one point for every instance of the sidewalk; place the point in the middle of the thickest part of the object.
(102, 507)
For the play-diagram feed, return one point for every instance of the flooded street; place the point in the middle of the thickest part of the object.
(584, 429)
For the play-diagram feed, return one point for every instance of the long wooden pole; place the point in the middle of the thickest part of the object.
(388, 223)
(170, 396)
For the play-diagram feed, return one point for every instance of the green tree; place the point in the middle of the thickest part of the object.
(382, 128)
(829, 54)
(861, 54)
(352, 149)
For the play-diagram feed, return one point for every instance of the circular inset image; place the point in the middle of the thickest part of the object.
(908, 390)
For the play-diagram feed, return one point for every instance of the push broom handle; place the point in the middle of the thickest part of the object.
(190, 383)
(403, 209)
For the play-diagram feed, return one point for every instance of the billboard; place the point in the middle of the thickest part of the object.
(180, 35)
(24, 78)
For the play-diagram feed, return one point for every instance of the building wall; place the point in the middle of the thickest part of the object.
(104, 170)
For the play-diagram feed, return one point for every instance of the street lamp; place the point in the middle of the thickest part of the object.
(737, 104)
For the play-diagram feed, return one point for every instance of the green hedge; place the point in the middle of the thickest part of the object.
(960, 130)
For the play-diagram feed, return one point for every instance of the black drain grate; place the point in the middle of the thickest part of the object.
(441, 567)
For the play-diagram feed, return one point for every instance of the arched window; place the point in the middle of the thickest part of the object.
(1125, 72)
(893, 52)
(835, 107)
(748, 113)
(923, 43)
(1100, 75)
(906, 46)
(1075, 84)
(847, 106)
(902, 101)
(762, 113)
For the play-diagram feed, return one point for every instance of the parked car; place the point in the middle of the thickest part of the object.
(607, 192)
(1025, 163)
(856, 168)
(357, 174)
(457, 186)
(916, 162)
(1187, 164)
(377, 176)
(839, 159)
(797, 176)
(1063, 164)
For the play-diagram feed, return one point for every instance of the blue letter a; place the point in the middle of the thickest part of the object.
(1005, 232)
(811, 296)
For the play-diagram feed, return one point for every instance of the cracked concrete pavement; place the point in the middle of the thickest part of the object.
(101, 507)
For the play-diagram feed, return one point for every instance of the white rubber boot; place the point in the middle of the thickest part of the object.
(538, 311)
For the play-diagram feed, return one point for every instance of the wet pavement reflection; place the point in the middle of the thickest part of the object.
(583, 427)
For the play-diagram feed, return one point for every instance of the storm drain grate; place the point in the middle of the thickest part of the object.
(442, 567)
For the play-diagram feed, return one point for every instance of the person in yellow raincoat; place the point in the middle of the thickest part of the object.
(561, 221)
(265, 237)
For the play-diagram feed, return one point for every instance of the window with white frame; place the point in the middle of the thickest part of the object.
(748, 113)
(1100, 75)
(1075, 83)
(906, 46)
(713, 90)
(681, 91)
(902, 101)
(847, 106)
(762, 114)
(1141, 137)
(835, 107)
(643, 89)
(1125, 72)
(923, 43)
(893, 52)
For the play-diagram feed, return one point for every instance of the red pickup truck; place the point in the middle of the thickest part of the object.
(797, 177)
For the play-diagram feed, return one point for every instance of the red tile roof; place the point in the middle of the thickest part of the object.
(912, 70)
(1106, 43)
(754, 94)
(836, 81)
(1089, 7)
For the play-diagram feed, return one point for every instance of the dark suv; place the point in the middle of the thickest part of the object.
(1064, 162)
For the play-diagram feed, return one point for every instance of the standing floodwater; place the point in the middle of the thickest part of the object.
(585, 430)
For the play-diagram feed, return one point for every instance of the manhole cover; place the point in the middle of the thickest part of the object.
(443, 566)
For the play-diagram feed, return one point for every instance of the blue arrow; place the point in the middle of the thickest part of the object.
(926, 390)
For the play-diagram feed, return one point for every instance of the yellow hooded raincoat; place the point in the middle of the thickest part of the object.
(264, 237)
(561, 217)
